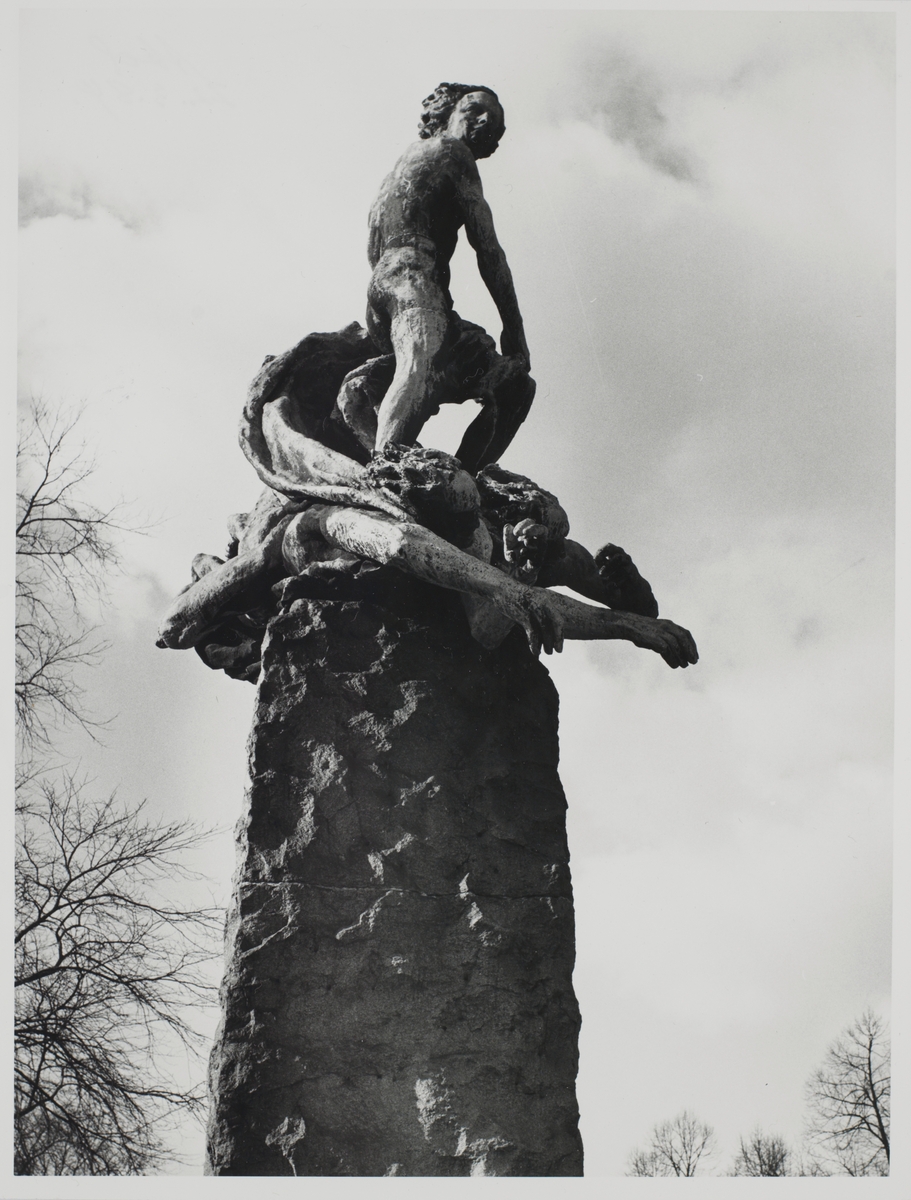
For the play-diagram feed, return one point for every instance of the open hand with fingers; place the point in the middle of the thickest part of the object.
(674, 643)
(534, 610)
(524, 547)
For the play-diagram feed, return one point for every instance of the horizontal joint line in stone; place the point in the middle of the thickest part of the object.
(327, 887)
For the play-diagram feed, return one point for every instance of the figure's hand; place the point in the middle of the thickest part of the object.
(513, 343)
(530, 607)
(524, 546)
(674, 643)
(614, 564)
(629, 591)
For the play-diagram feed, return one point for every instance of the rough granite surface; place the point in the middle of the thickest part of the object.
(398, 997)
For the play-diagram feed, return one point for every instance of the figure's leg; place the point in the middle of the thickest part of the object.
(610, 577)
(501, 383)
(360, 396)
(488, 437)
(215, 584)
(418, 335)
(408, 303)
(472, 451)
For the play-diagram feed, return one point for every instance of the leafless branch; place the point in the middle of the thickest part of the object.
(107, 970)
(683, 1146)
(66, 549)
(762, 1154)
(104, 967)
(849, 1099)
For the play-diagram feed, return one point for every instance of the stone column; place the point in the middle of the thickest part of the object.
(398, 997)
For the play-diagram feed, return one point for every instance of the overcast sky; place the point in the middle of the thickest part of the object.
(698, 213)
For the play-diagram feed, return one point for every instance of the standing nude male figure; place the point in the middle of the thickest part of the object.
(433, 191)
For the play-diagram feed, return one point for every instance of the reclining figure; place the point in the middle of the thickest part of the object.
(498, 540)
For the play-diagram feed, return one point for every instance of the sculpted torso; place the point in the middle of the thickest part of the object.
(422, 199)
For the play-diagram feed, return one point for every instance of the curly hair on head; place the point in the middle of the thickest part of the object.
(442, 100)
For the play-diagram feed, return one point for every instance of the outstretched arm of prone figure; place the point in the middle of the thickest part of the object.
(546, 617)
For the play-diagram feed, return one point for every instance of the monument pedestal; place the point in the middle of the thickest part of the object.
(398, 997)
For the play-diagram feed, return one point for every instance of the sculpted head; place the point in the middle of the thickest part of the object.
(472, 113)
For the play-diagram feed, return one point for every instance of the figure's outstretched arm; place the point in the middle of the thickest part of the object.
(584, 622)
(546, 617)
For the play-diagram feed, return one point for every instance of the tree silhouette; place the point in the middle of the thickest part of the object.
(762, 1154)
(683, 1146)
(65, 551)
(104, 967)
(107, 967)
(849, 1100)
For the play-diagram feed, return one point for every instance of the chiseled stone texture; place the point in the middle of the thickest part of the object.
(398, 997)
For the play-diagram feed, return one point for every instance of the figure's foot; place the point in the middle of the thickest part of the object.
(185, 625)
(181, 630)
(204, 563)
(629, 592)
(215, 584)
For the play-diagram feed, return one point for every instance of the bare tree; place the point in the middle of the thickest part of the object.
(683, 1146)
(65, 550)
(108, 969)
(762, 1154)
(647, 1162)
(849, 1100)
(104, 967)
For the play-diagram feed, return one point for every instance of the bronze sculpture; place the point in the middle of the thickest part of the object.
(398, 995)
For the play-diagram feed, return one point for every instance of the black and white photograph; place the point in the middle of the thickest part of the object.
(455, 662)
